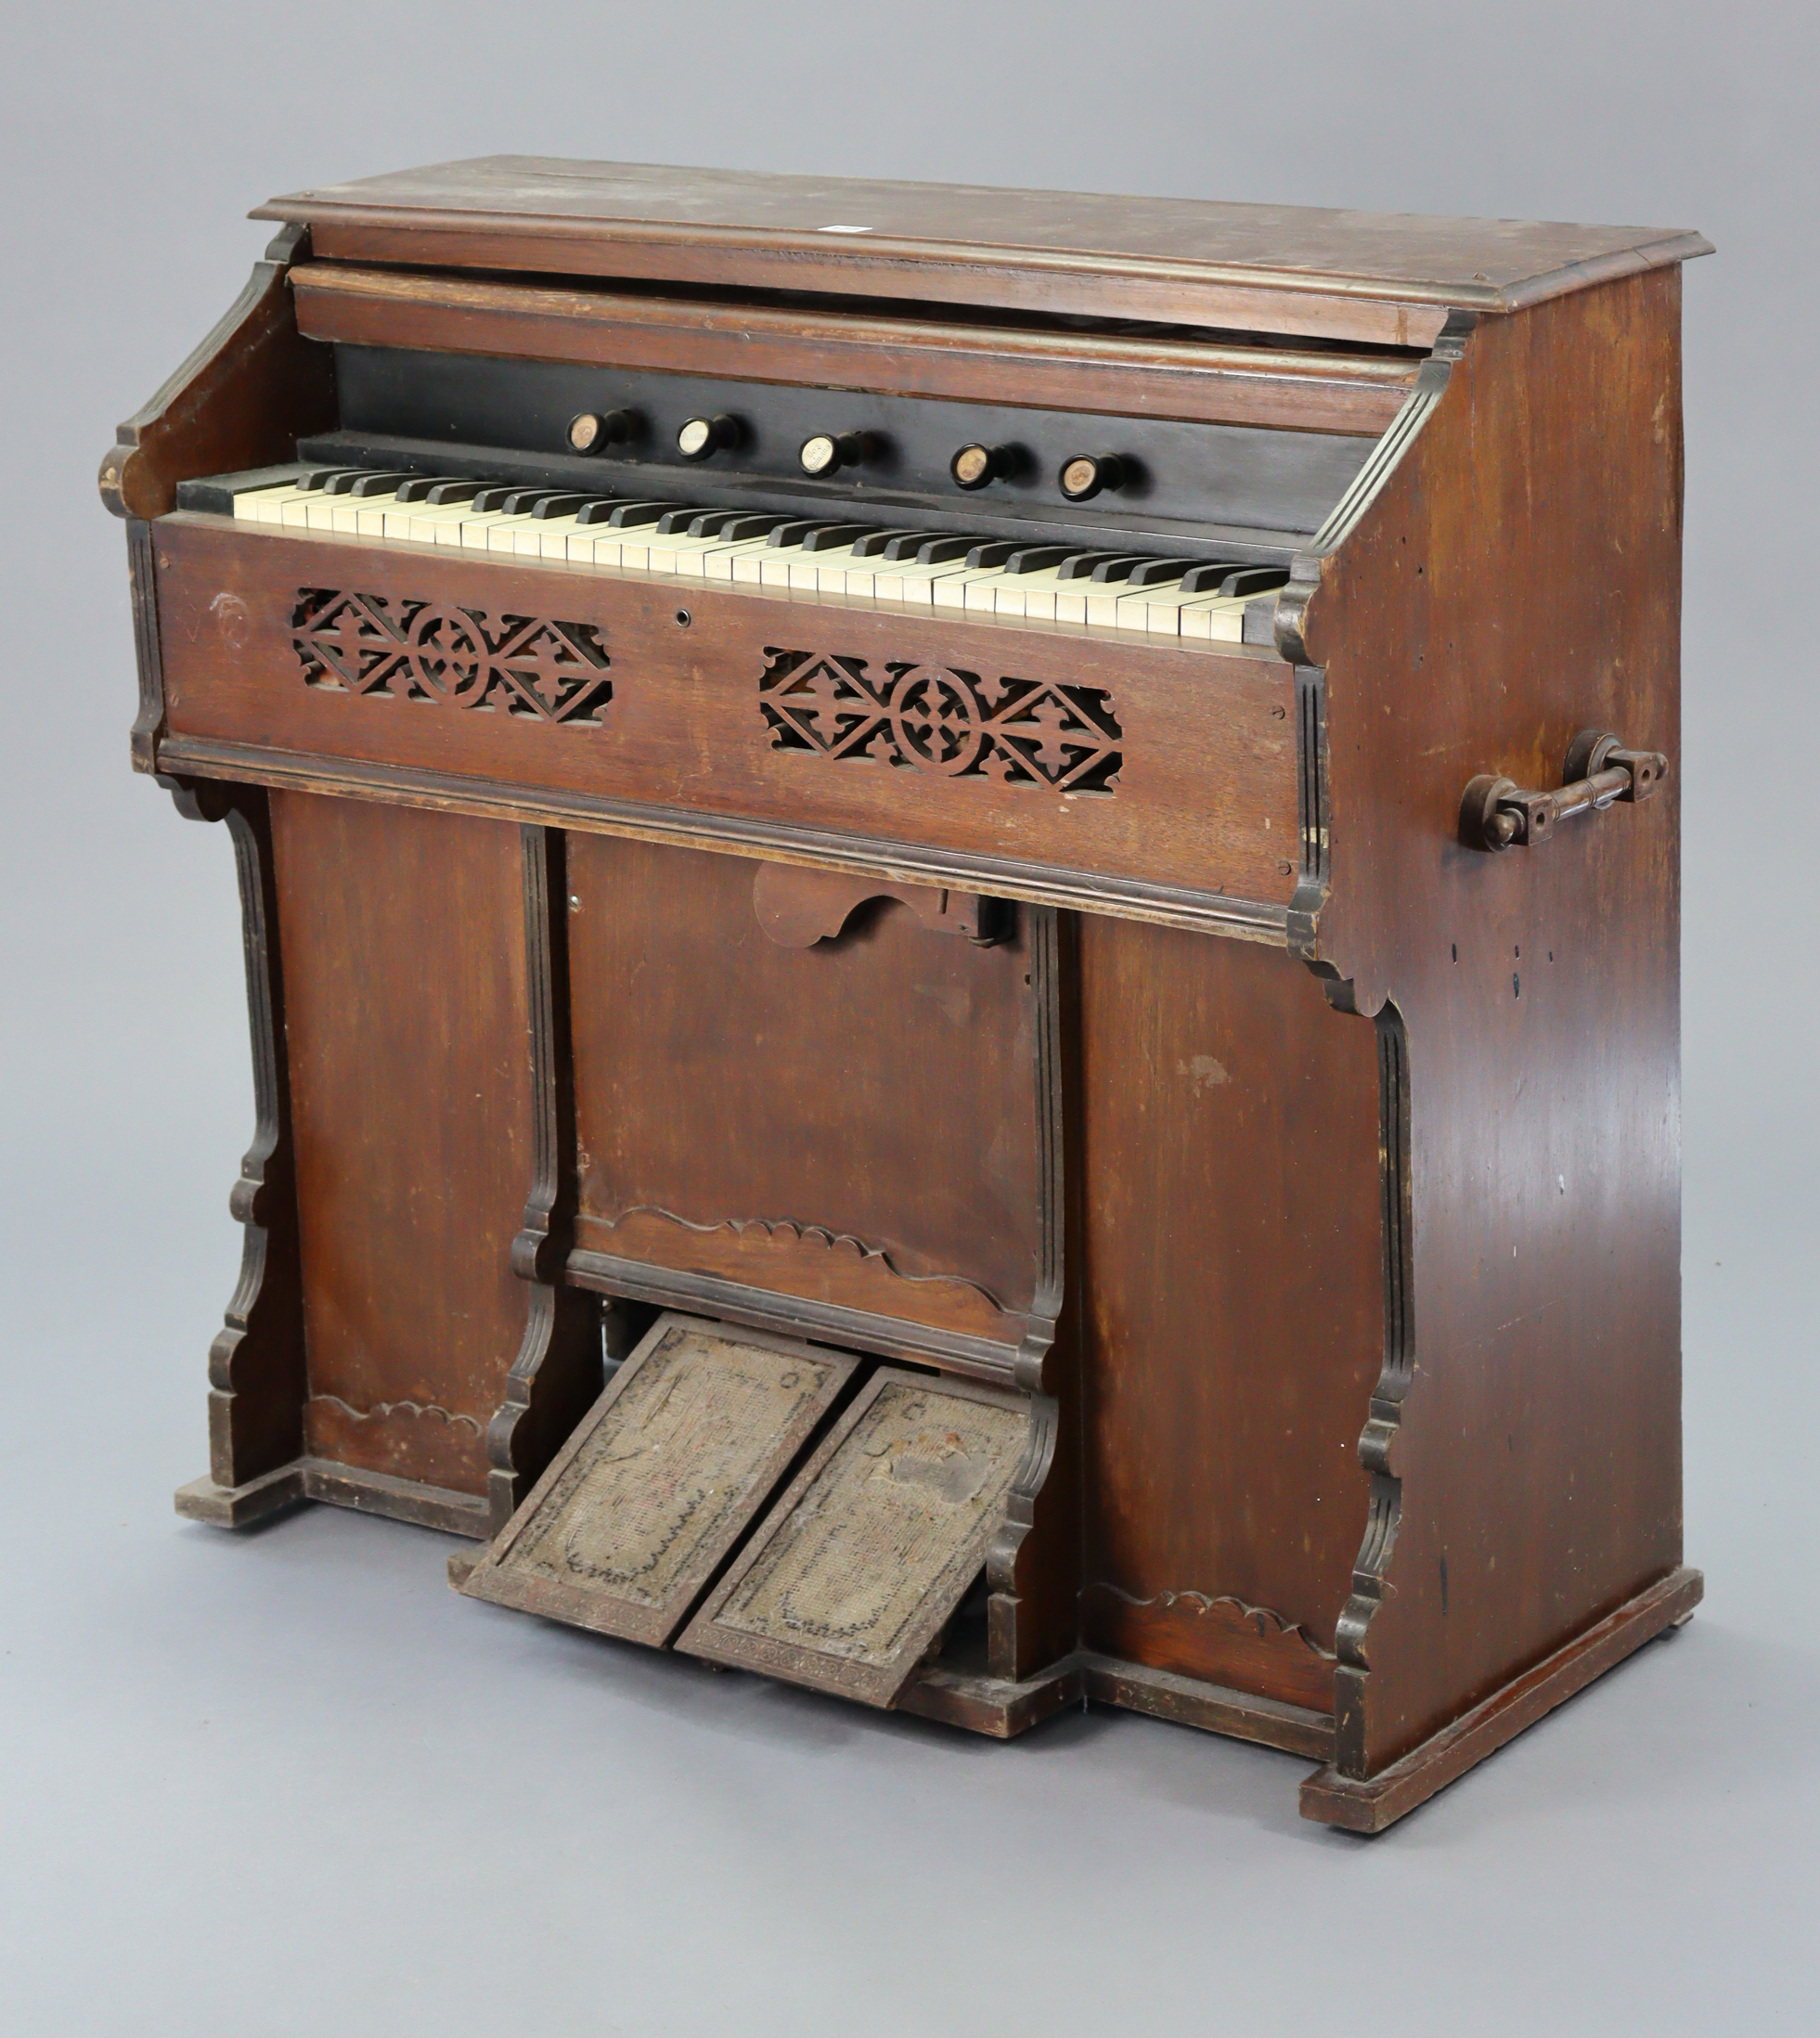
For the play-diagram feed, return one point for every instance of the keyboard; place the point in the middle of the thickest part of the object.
(971, 572)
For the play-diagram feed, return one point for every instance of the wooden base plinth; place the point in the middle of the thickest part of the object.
(242, 1507)
(963, 1697)
(1218, 1709)
(337, 1486)
(1371, 1803)
(990, 1705)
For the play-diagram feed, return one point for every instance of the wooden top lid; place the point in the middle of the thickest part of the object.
(1042, 251)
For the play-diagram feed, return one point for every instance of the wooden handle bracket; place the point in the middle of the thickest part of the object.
(1498, 814)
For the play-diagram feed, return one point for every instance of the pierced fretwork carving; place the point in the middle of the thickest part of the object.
(426, 650)
(940, 720)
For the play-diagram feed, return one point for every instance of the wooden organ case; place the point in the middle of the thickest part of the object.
(917, 1017)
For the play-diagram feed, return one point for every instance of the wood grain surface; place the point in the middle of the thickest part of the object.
(1527, 1454)
(1204, 804)
(410, 1089)
(1122, 374)
(856, 1121)
(1272, 268)
(1230, 1306)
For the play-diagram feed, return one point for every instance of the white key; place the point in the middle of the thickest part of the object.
(422, 522)
(956, 591)
(263, 504)
(470, 530)
(502, 535)
(982, 590)
(345, 515)
(718, 564)
(1105, 598)
(1046, 597)
(528, 540)
(553, 535)
(1220, 618)
(317, 511)
(825, 573)
(1160, 610)
(775, 562)
(679, 553)
(370, 513)
(898, 581)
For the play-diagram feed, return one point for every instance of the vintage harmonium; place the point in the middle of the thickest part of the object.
(960, 915)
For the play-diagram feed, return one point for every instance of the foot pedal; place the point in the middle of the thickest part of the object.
(630, 1523)
(861, 1564)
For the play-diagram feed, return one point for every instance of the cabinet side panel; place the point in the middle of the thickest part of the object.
(1517, 582)
(1232, 1322)
(411, 1097)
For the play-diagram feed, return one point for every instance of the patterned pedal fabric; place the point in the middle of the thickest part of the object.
(859, 1567)
(688, 1442)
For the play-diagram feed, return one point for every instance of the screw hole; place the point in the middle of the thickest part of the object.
(684, 619)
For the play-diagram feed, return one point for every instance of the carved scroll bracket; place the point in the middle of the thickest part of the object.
(256, 1364)
(558, 1371)
(797, 906)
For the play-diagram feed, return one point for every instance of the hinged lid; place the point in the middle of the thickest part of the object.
(1367, 276)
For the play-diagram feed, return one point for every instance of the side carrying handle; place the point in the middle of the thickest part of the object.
(1497, 814)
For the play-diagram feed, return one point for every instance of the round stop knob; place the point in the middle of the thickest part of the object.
(594, 430)
(702, 437)
(825, 453)
(974, 466)
(1084, 475)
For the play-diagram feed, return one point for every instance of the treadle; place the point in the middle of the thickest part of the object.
(859, 1567)
(633, 1517)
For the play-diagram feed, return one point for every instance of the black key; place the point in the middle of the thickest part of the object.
(633, 516)
(736, 530)
(817, 537)
(343, 483)
(523, 502)
(320, 477)
(675, 520)
(451, 491)
(1153, 573)
(495, 497)
(418, 487)
(558, 506)
(1035, 559)
(791, 532)
(903, 545)
(832, 538)
(1086, 565)
(704, 523)
(935, 551)
(994, 554)
(875, 542)
(378, 484)
(1109, 570)
(1210, 577)
(599, 509)
(1253, 580)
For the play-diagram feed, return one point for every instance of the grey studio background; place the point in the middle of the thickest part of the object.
(287, 1783)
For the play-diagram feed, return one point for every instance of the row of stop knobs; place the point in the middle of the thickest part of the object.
(1079, 478)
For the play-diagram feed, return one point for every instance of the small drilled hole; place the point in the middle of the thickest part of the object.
(684, 619)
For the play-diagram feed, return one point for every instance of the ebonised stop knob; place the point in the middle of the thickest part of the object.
(1084, 475)
(827, 452)
(702, 437)
(974, 466)
(594, 430)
